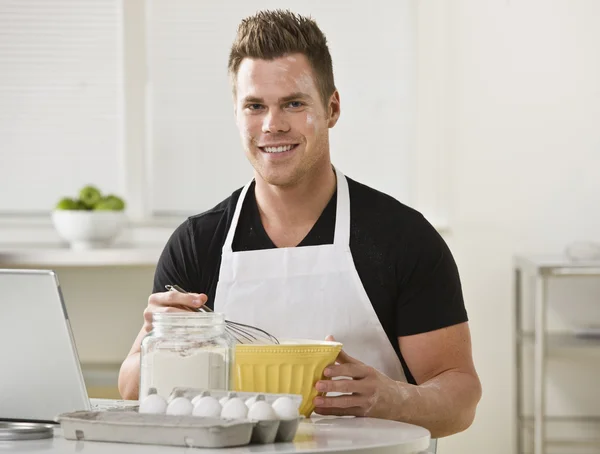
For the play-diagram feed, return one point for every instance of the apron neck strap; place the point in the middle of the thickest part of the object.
(341, 236)
(236, 218)
(342, 218)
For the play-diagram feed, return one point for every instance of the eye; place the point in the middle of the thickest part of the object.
(254, 107)
(295, 104)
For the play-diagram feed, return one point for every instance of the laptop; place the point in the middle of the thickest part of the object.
(40, 372)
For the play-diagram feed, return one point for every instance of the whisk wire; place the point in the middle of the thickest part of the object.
(241, 332)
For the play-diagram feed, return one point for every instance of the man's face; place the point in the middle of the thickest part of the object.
(282, 120)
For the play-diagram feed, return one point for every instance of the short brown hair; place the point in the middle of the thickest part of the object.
(273, 34)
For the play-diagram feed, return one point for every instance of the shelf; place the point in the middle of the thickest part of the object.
(557, 266)
(11, 257)
(556, 438)
(564, 341)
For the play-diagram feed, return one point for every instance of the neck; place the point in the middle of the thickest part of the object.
(297, 206)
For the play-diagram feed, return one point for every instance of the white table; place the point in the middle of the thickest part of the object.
(315, 435)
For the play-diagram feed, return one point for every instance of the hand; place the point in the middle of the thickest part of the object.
(172, 302)
(373, 394)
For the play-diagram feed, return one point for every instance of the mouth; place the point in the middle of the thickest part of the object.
(278, 149)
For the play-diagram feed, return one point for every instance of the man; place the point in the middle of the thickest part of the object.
(303, 251)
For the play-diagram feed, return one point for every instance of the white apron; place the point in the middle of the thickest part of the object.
(306, 292)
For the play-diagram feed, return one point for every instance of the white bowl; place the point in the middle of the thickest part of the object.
(88, 229)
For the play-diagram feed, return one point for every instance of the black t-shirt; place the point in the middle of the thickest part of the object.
(405, 266)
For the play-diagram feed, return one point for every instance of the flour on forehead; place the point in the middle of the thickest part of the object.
(305, 82)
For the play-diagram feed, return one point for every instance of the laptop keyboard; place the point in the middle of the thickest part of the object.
(113, 404)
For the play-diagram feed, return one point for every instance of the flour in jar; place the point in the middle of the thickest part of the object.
(167, 369)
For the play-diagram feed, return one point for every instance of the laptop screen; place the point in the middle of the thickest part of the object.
(40, 374)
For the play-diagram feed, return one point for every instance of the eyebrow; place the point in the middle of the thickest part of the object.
(291, 97)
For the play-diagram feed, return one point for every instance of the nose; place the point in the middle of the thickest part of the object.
(275, 122)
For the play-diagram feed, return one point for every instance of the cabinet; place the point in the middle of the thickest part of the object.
(538, 272)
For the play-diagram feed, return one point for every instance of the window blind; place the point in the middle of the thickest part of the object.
(60, 100)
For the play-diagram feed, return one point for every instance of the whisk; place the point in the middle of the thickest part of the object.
(243, 334)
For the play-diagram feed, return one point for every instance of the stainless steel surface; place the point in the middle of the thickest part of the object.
(556, 266)
(557, 342)
(540, 269)
(590, 438)
(519, 359)
(25, 431)
(539, 365)
(241, 332)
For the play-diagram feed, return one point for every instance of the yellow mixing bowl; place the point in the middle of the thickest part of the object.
(292, 367)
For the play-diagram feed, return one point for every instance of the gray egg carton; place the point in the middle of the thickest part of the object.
(189, 431)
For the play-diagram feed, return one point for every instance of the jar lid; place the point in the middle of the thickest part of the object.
(25, 431)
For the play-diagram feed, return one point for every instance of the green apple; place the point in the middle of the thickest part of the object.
(67, 203)
(81, 205)
(90, 196)
(110, 202)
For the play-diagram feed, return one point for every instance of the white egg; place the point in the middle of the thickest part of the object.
(153, 404)
(197, 398)
(207, 406)
(234, 408)
(250, 401)
(285, 408)
(180, 406)
(262, 411)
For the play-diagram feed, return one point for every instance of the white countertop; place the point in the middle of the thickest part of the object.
(14, 256)
(315, 435)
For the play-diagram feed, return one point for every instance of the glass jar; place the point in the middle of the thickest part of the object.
(186, 349)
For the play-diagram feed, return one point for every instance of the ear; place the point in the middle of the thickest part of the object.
(333, 109)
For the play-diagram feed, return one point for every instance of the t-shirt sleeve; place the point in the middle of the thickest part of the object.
(177, 263)
(430, 294)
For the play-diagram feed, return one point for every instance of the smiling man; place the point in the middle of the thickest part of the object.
(305, 252)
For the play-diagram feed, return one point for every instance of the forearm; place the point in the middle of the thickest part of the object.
(129, 377)
(444, 405)
(129, 374)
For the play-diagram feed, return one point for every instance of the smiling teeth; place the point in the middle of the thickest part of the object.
(278, 149)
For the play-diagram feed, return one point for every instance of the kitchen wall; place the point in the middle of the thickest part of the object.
(518, 84)
(522, 114)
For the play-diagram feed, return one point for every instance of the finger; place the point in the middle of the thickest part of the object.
(191, 300)
(352, 411)
(325, 411)
(339, 386)
(344, 358)
(150, 310)
(345, 401)
(148, 313)
(347, 370)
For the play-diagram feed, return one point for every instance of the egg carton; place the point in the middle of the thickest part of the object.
(187, 431)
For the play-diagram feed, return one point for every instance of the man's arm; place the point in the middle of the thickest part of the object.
(175, 265)
(443, 401)
(129, 374)
(448, 388)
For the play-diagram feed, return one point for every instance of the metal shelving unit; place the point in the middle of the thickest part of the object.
(544, 345)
